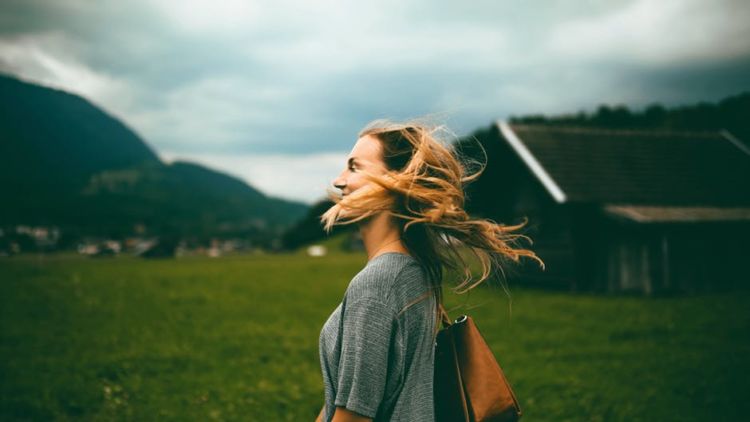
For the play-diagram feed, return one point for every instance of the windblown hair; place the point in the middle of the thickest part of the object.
(423, 191)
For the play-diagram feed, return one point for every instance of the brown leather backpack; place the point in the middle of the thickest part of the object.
(469, 384)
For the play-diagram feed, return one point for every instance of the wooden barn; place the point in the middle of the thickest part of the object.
(639, 211)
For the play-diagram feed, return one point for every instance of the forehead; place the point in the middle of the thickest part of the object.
(367, 148)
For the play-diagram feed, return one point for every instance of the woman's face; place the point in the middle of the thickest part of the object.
(366, 155)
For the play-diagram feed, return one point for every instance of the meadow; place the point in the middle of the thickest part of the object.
(235, 338)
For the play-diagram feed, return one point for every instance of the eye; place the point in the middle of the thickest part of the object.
(351, 167)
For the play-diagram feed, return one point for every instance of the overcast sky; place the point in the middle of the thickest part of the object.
(275, 92)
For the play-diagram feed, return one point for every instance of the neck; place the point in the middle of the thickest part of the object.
(380, 235)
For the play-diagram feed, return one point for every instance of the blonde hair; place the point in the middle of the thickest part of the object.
(423, 191)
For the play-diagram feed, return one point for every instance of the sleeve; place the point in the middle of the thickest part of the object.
(367, 328)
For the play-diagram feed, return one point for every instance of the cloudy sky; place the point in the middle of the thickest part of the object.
(275, 92)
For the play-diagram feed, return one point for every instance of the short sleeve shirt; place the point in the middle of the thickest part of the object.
(377, 347)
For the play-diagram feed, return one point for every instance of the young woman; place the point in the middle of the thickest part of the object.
(404, 188)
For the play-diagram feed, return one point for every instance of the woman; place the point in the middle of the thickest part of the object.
(404, 188)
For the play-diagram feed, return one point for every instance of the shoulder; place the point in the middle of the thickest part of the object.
(392, 279)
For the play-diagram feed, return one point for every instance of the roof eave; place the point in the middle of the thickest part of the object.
(531, 162)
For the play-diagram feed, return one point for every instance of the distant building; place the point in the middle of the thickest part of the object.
(650, 212)
(317, 250)
(99, 247)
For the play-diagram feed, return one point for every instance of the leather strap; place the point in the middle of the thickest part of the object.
(446, 320)
(462, 392)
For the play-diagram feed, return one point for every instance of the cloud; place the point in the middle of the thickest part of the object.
(286, 80)
(210, 17)
(666, 32)
(40, 58)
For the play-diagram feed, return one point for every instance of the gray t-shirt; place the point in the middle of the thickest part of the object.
(377, 347)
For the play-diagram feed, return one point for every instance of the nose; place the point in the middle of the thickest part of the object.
(339, 183)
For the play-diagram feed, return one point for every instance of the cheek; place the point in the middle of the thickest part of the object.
(356, 181)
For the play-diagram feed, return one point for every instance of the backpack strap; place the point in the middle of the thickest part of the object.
(446, 320)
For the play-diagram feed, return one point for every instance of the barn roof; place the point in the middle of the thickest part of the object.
(647, 167)
(657, 214)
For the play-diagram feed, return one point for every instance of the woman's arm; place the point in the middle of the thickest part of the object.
(320, 415)
(343, 414)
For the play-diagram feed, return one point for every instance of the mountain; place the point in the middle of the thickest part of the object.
(53, 140)
(65, 162)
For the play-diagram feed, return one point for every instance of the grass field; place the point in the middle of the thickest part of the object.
(235, 338)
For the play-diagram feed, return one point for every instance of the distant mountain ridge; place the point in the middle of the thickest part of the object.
(65, 162)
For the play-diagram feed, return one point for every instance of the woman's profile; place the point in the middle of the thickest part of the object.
(404, 189)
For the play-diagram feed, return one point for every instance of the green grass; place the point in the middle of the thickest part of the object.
(235, 338)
